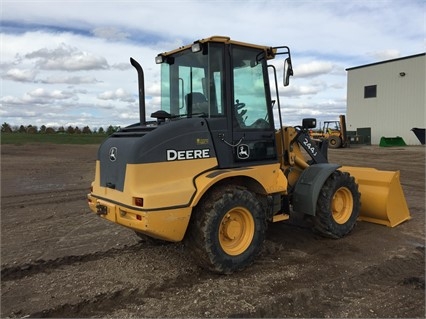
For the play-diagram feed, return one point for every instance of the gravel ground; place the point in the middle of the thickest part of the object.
(60, 260)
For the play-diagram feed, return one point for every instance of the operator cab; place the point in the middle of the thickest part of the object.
(225, 83)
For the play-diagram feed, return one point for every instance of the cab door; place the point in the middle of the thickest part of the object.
(253, 133)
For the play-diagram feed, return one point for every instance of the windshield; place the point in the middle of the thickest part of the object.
(192, 84)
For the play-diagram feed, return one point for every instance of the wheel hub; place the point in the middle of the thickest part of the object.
(342, 205)
(232, 229)
(236, 231)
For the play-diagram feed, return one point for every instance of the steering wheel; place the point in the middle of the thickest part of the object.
(239, 105)
(240, 112)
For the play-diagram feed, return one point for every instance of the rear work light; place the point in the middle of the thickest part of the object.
(138, 201)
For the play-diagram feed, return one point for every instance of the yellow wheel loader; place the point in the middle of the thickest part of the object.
(212, 169)
(333, 131)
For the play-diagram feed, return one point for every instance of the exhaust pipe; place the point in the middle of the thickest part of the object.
(141, 86)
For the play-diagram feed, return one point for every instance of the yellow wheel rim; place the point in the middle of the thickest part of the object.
(342, 205)
(236, 231)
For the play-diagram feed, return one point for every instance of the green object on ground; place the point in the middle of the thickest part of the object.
(392, 141)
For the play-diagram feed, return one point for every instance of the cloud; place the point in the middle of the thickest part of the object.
(310, 88)
(45, 94)
(110, 33)
(313, 68)
(79, 57)
(153, 89)
(298, 90)
(121, 66)
(67, 58)
(10, 100)
(38, 96)
(119, 94)
(66, 79)
(20, 75)
(385, 55)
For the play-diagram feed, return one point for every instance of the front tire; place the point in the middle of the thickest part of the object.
(338, 206)
(227, 229)
(334, 142)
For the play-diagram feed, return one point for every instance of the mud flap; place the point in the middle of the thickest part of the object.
(308, 187)
(382, 198)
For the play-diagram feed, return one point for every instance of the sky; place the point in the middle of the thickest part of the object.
(66, 63)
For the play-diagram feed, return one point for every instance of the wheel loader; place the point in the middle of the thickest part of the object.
(216, 166)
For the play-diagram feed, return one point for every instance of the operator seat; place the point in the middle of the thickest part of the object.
(196, 103)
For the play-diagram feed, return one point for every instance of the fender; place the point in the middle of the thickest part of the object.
(269, 179)
(309, 185)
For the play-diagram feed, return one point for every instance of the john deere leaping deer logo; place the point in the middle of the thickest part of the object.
(243, 151)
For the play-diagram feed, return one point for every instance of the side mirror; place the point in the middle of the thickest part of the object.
(288, 71)
(309, 123)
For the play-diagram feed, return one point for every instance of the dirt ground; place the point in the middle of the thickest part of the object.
(60, 260)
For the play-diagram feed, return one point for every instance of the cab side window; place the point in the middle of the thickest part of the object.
(250, 102)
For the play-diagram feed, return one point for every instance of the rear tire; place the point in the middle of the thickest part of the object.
(338, 206)
(227, 230)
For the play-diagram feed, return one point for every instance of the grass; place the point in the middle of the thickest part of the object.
(25, 138)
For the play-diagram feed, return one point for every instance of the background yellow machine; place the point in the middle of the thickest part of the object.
(333, 131)
(213, 169)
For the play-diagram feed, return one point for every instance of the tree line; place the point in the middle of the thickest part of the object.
(33, 129)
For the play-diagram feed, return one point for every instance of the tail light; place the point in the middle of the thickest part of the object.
(138, 201)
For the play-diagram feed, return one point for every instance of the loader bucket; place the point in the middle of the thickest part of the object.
(382, 199)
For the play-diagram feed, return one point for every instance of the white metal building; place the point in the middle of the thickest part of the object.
(389, 97)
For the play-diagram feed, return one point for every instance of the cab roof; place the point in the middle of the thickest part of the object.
(270, 52)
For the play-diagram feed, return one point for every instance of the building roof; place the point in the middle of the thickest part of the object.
(386, 61)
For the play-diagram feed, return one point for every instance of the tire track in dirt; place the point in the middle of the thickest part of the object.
(34, 199)
(54, 225)
(107, 302)
(110, 290)
(342, 294)
(46, 266)
(93, 307)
